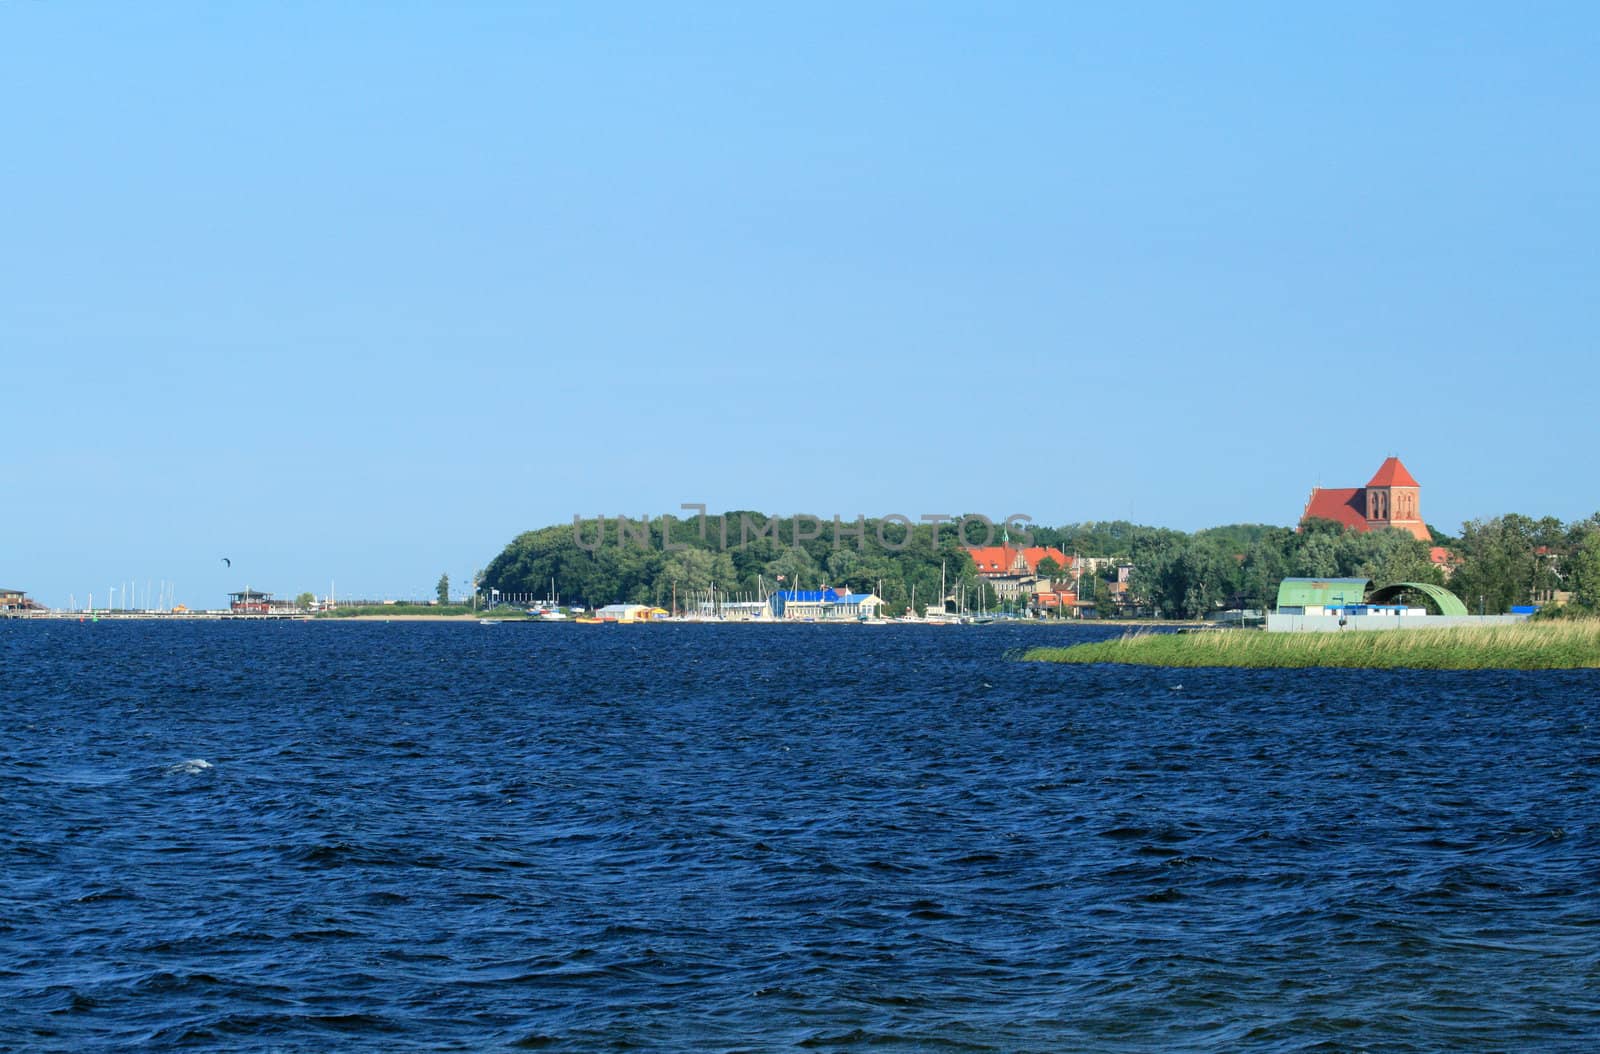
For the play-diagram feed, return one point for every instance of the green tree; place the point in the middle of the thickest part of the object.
(443, 589)
(686, 573)
(1105, 605)
(1183, 577)
(1583, 573)
(304, 600)
(843, 565)
(1396, 556)
(797, 568)
(1498, 563)
(1265, 565)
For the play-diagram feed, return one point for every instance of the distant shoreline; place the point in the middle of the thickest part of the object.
(469, 618)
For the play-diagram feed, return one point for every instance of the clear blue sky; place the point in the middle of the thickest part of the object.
(354, 294)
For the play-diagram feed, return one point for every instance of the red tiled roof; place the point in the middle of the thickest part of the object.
(1033, 554)
(1392, 474)
(992, 559)
(1000, 559)
(1346, 505)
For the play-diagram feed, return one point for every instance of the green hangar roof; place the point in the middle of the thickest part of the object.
(1321, 592)
(1449, 603)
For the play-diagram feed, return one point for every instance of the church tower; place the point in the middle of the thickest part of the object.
(1394, 500)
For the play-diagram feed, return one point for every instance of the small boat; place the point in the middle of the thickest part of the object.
(490, 621)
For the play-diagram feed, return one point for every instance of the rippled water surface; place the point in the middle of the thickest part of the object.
(438, 837)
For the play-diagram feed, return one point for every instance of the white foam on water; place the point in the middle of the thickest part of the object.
(192, 767)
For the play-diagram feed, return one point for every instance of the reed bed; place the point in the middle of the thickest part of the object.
(1525, 646)
(399, 610)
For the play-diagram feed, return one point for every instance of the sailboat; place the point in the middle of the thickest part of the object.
(982, 618)
(550, 610)
(911, 608)
(941, 617)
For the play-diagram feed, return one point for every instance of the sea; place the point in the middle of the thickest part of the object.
(328, 836)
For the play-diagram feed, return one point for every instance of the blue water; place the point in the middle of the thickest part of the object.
(436, 837)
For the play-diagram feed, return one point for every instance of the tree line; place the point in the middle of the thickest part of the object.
(1493, 564)
(680, 559)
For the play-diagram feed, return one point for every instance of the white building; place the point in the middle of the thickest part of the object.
(624, 613)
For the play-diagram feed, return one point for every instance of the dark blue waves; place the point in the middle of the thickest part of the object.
(440, 837)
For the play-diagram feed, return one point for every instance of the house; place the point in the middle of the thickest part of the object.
(1392, 498)
(1055, 596)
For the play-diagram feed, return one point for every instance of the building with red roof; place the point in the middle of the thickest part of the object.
(1391, 499)
(1013, 570)
(995, 560)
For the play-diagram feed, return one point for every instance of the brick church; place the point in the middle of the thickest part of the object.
(1391, 498)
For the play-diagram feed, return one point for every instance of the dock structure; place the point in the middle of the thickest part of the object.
(73, 615)
(245, 605)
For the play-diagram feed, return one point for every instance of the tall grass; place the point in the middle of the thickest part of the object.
(1524, 646)
(395, 610)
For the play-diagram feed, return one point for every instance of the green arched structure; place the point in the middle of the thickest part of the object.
(1449, 603)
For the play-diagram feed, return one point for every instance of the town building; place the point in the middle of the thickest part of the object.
(250, 602)
(1333, 605)
(1122, 598)
(1321, 596)
(1013, 571)
(15, 600)
(253, 602)
(1392, 498)
(629, 613)
(824, 605)
(1056, 597)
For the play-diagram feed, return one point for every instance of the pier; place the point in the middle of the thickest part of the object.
(159, 616)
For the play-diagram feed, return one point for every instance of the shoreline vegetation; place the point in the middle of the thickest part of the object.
(411, 611)
(1528, 646)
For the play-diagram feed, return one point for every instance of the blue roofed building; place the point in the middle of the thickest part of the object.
(824, 605)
